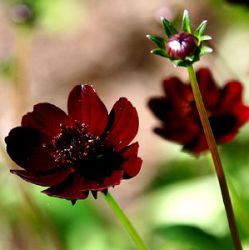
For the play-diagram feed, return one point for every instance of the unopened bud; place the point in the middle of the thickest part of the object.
(181, 45)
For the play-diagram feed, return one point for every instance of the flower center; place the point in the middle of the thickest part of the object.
(222, 124)
(72, 144)
(86, 153)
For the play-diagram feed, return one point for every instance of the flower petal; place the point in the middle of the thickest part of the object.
(84, 105)
(160, 106)
(25, 147)
(69, 189)
(177, 91)
(209, 89)
(123, 124)
(132, 167)
(132, 163)
(130, 152)
(179, 134)
(51, 178)
(231, 95)
(45, 118)
(197, 145)
(113, 180)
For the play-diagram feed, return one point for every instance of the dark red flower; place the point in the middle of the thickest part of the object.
(86, 150)
(179, 117)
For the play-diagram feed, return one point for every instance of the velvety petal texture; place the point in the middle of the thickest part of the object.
(123, 124)
(86, 150)
(85, 106)
(179, 117)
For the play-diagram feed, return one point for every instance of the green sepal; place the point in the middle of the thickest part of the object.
(189, 60)
(205, 50)
(160, 52)
(182, 63)
(186, 24)
(200, 29)
(169, 29)
(205, 38)
(185, 63)
(159, 41)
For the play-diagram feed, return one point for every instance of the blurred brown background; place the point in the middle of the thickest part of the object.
(103, 43)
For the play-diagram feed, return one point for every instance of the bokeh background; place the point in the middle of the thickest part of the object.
(46, 47)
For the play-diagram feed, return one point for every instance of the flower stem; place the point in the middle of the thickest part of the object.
(216, 159)
(125, 221)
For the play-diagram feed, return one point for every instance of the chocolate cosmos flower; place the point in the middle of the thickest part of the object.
(86, 150)
(179, 117)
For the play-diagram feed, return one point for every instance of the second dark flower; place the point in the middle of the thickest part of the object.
(179, 117)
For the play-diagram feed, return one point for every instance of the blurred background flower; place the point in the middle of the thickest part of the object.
(179, 118)
(175, 200)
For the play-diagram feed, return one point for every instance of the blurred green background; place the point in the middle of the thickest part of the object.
(46, 47)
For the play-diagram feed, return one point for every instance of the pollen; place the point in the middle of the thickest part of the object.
(72, 144)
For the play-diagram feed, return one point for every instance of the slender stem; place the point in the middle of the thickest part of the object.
(216, 159)
(125, 221)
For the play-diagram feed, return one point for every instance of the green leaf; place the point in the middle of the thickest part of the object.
(200, 29)
(178, 170)
(169, 29)
(159, 41)
(160, 52)
(186, 24)
(205, 50)
(191, 237)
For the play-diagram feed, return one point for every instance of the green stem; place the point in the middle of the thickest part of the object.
(216, 159)
(125, 221)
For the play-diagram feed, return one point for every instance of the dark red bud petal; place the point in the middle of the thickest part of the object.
(181, 45)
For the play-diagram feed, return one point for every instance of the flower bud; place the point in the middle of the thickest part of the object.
(181, 45)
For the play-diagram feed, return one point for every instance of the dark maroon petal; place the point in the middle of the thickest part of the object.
(197, 145)
(160, 106)
(69, 189)
(88, 184)
(176, 90)
(113, 180)
(44, 179)
(209, 89)
(228, 138)
(132, 167)
(182, 135)
(123, 124)
(223, 124)
(93, 185)
(25, 147)
(242, 114)
(132, 163)
(45, 118)
(84, 105)
(130, 151)
(231, 95)
(232, 100)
